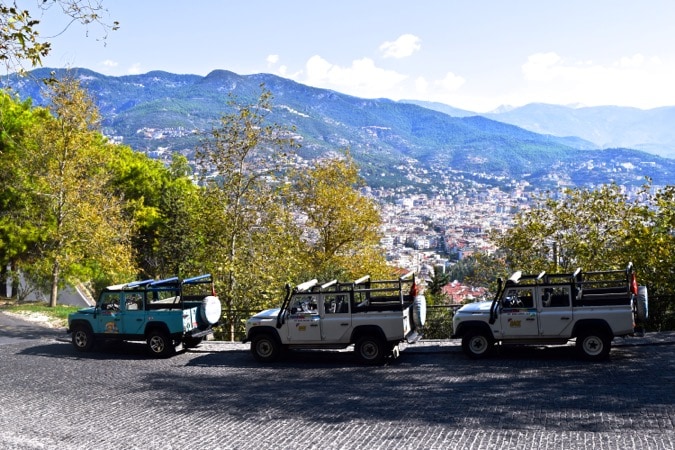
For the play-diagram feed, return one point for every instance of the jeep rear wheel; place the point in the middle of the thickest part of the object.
(192, 342)
(370, 349)
(593, 345)
(477, 344)
(160, 344)
(265, 348)
(83, 338)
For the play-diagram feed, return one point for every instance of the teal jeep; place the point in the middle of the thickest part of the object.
(167, 314)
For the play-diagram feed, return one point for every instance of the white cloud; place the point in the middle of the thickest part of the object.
(631, 61)
(135, 69)
(362, 78)
(404, 46)
(109, 63)
(421, 85)
(629, 80)
(541, 66)
(272, 59)
(451, 82)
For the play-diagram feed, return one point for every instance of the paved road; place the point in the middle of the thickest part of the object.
(431, 397)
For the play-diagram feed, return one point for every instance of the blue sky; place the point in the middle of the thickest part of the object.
(471, 54)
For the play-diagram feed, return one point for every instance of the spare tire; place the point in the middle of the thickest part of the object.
(211, 309)
(419, 311)
(642, 304)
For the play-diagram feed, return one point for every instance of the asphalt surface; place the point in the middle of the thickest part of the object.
(431, 397)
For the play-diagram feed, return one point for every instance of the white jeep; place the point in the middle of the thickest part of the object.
(374, 316)
(549, 309)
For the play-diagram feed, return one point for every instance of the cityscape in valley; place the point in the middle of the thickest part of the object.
(429, 233)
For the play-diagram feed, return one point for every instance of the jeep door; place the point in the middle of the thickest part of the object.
(518, 316)
(109, 316)
(555, 318)
(133, 314)
(336, 322)
(304, 321)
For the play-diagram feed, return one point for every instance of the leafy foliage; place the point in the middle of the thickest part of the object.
(341, 226)
(83, 229)
(600, 229)
(17, 233)
(241, 214)
(19, 29)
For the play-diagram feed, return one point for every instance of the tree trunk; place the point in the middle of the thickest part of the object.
(15, 280)
(55, 285)
(232, 327)
(4, 278)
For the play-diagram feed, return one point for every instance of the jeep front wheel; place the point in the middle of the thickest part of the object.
(476, 344)
(370, 349)
(265, 348)
(593, 345)
(83, 338)
(160, 344)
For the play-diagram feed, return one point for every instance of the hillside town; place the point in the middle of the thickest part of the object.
(427, 233)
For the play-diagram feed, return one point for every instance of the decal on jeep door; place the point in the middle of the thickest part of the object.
(515, 323)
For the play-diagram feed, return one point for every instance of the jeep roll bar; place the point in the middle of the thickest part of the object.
(493, 305)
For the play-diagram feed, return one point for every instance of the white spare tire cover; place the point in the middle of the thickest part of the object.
(642, 304)
(419, 311)
(211, 309)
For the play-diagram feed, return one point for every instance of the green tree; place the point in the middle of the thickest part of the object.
(600, 229)
(341, 225)
(162, 202)
(584, 228)
(17, 235)
(650, 240)
(480, 269)
(242, 217)
(438, 281)
(178, 240)
(84, 232)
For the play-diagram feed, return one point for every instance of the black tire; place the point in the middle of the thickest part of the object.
(82, 338)
(265, 348)
(160, 344)
(477, 344)
(593, 345)
(192, 342)
(370, 349)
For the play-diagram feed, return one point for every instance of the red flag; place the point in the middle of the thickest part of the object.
(633, 283)
(413, 289)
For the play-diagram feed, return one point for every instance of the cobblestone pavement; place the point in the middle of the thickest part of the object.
(431, 397)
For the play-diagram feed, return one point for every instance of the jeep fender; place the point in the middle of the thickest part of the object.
(78, 323)
(262, 330)
(464, 327)
(363, 330)
(597, 325)
(159, 326)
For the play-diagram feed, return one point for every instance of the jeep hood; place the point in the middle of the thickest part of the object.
(477, 307)
(267, 314)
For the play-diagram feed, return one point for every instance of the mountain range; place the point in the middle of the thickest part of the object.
(396, 143)
(604, 126)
